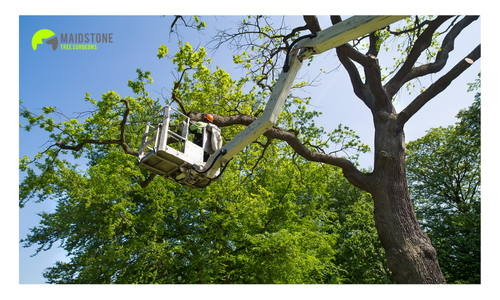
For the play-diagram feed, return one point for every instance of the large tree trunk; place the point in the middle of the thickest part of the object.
(410, 254)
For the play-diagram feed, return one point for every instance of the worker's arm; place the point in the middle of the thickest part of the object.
(197, 127)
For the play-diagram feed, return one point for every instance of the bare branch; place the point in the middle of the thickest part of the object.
(442, 56)
(345, 53)
(438, 86)
(267, 43)
(421, 44)
(335, 19)
(356, 81)
(189, 22)
(175, 21)
(174, 90)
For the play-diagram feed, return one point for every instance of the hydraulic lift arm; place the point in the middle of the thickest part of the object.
(324, 40)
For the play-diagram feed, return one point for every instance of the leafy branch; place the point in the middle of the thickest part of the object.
(120, 141)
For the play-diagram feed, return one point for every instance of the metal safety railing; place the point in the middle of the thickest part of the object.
(157, 136)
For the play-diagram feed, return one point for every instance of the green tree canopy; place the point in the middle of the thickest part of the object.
(267, 224)
(275, 218)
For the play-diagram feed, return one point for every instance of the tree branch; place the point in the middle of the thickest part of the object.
(312, 23)
(374, 81)
(335, 19)
(264, 148)
(174, 95)
(373, 77)
(441, 58)
(146, 182)
(268, 46)
(279, 203)
(422, 43)
(440, 85)
(175, 21)
(357, 83)
(373, 50)
(352, 174)
(120, 141)
(418, 27)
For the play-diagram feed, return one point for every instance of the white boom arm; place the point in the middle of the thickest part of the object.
(347, 31)
(327, 39)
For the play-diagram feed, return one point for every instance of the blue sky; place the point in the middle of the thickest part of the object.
(62, 77)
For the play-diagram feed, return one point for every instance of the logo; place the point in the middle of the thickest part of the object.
(44, 34)
(71, 41)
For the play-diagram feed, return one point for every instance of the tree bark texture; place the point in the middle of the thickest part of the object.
(409, 252)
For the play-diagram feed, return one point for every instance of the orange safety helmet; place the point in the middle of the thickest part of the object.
(210, 118)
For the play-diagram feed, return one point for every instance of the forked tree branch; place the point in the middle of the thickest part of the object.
(421, 44)
(408, 71)
(175, 21)
(438, 86)
(356, 82)
(442, 56)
